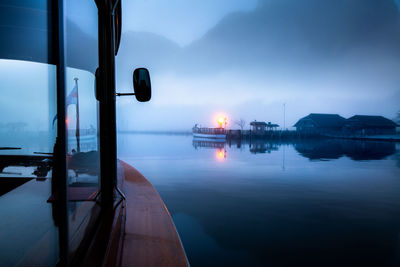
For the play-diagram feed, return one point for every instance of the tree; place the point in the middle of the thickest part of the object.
(241, 123)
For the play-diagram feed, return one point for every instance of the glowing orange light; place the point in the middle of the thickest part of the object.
(222, 122)
(66, 121)
(221, 154)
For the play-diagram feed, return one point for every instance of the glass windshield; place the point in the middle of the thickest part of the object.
(27, 134)
(28, 78)
(83, 157)
(27, 107)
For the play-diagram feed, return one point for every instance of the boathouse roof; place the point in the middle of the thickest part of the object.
(259, 123)
(372, 121)
(323, 120)
(272, 125)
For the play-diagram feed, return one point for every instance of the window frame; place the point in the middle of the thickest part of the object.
(109, 34)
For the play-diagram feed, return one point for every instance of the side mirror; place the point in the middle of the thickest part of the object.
(141, 84)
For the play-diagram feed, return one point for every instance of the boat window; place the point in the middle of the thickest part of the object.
(28, 78)
(81, 117)
(27, 133)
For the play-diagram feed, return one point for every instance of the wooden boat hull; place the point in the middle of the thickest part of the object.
(139, 231)
(150, 237)
(210, 136)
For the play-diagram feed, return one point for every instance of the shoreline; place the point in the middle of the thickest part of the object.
(275, 135)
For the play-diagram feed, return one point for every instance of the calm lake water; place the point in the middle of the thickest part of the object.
(314, 203)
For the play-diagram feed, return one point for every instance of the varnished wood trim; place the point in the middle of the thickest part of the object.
(150, 237)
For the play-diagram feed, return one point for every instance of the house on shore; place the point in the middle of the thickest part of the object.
(369, 125)
(320, 124)
(260, 127)
(272, 126)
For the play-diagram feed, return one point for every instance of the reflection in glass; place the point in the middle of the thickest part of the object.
(83, 158)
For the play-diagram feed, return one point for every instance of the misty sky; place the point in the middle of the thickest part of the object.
(182, 21)
(244, 59)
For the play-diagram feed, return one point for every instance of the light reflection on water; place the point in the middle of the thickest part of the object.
(221, 154)
(310, 203)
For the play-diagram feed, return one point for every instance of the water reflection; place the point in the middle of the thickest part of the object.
(218, 145)
(300, 203)
(221, 154)
(208, 143)
(316, 150)
(260, 146)
(335, 149)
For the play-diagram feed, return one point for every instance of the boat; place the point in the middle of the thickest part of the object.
(65, 197)
(209, 133)
(218, 133)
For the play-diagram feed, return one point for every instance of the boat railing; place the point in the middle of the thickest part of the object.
(209, 130)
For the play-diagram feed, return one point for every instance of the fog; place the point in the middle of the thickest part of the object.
(245, 59)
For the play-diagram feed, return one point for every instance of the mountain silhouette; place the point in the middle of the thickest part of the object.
(279, 35)
(285, 32)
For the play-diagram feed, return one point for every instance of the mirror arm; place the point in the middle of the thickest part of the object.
(124, 94)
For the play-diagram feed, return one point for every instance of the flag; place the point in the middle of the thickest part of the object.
(72, 98)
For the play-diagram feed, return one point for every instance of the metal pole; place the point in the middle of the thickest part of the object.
(284, 116)
(77, 130)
